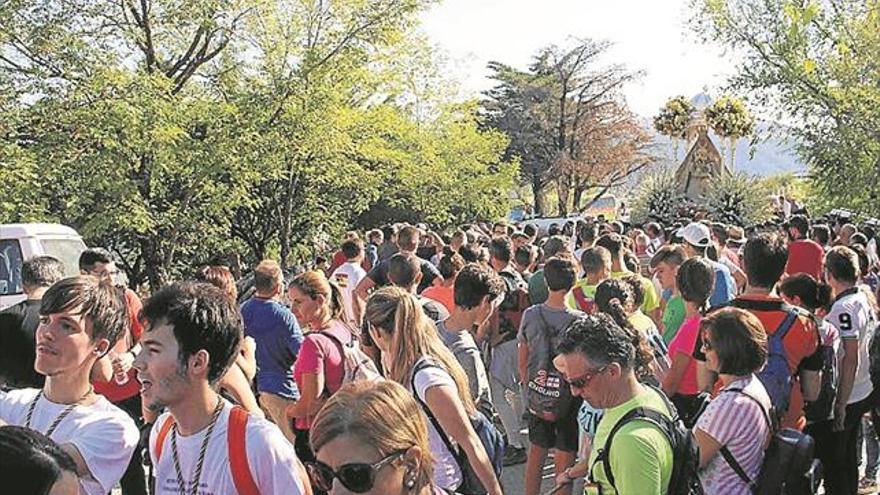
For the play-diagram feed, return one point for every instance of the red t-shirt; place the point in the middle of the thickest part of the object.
(111, 390)
(805, 256)
(442, 294)
(321, 355)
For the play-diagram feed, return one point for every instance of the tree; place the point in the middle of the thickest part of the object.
(560, 111)
(816, 63)
(658, 198)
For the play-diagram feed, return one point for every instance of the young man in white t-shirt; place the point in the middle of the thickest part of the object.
(192, 335)
(81, 318)
(853, 315)
(347, 276)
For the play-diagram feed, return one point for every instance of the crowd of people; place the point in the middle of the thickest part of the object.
(411, 361)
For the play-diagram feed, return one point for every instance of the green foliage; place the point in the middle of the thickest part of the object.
(738, 199)
(657, 198)
(674, 117)
(172, 132)
(817, 63)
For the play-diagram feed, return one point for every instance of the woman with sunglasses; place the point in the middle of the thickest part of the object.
(695, 279)
(734, 429)
(371, 438)
(319, 369)
(415, 357)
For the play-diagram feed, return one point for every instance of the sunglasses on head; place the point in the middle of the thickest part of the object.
(357, 477)
(583, 380)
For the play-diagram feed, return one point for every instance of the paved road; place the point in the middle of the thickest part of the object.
(513, 479)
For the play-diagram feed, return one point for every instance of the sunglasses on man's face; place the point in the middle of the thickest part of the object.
(357, 477)
(584, 380)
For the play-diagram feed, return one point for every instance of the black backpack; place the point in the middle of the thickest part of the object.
(820, 409)
(549, 395)
(685, 479)
(788, 468)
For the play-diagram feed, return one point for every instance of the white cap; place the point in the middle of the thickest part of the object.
(696, 234)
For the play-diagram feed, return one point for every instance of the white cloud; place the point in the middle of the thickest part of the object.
(651, 35)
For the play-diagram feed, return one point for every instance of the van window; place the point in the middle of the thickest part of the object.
(10, 267)
(67, 251)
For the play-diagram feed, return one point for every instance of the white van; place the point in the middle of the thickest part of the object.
(23, 241)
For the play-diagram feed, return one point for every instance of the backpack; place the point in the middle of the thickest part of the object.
(684, 479)
(549, 396)
(776, 376)
(236, 450)
(820, 409)
(506, 323)
(588, 306)
(788, 461)
(358, 366)
(490, 438)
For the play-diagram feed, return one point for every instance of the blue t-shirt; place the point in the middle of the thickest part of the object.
(725, 287)
(278, 338)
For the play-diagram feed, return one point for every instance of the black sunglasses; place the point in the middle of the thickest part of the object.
(358, 477)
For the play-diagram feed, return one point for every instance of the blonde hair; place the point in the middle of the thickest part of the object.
(381, 414)
(314, 284)
(394, 311)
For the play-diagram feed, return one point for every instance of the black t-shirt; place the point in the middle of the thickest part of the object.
(18, 347)
(379, 274)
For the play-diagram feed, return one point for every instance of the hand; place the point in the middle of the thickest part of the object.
(122, 362)
(248, 346)
(563, 478)
(839, 417)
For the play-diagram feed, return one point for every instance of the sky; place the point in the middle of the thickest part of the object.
(648, 35)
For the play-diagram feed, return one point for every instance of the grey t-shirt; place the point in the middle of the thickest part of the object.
(465, 349)
(540, 324)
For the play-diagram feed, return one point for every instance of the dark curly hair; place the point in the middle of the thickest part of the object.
(603, 341)
(612, 296)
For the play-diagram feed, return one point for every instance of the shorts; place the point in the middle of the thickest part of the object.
(562, 434)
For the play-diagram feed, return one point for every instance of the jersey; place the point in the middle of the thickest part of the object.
(853, 317)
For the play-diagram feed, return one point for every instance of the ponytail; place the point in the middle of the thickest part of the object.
(611, 295)
(336, 302)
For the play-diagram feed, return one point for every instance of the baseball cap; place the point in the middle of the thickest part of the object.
(736, 235)
(696, 234)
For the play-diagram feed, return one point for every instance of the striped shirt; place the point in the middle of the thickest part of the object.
(739, 423)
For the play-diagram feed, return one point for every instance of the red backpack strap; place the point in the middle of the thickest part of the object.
(581, 298)
(237, 446)
(164, 429)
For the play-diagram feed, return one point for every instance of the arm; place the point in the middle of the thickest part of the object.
(847, 376)
(309, 396)
(247, 360)
(676, 372)
(523, 362)
(445, 405)
(82, 469)
(709, 447)
(364, 287)
(811, 384)
(235, 381)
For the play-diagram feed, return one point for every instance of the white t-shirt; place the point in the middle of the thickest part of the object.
(347, 276)
(447, 474)
(103, 434)
(270, 456)
(852, 316)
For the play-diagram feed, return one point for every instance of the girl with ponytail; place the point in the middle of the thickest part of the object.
(695, 280)
(415, 357)
(318, 371)
(615, 298)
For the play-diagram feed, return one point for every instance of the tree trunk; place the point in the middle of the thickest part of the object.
(562, 193)
(537, 192)
(156, 272)
(578, 197)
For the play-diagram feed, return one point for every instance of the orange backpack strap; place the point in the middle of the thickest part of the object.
(237, 446)
(163, 433)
